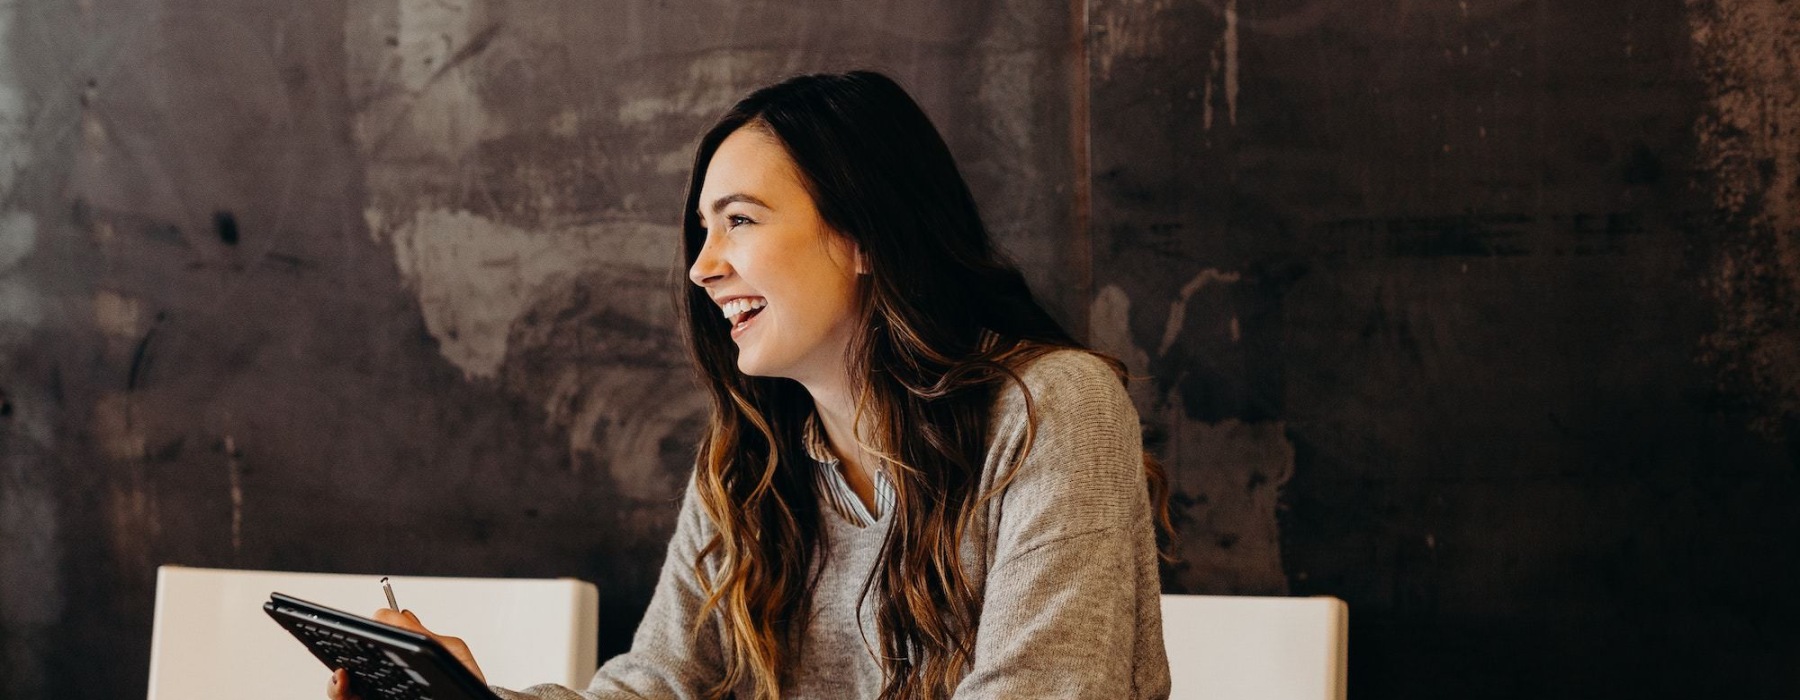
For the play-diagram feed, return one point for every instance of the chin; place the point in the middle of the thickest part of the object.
(754, 366)
(750, 365)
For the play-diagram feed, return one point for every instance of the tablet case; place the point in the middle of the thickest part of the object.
(385, 662)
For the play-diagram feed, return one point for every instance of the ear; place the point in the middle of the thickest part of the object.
(862, 261)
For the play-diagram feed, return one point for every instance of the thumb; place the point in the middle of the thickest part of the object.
(339, 687)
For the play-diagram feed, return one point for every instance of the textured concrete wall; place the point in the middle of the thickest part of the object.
(384, 285)
(1483, 316)
(1480, 315)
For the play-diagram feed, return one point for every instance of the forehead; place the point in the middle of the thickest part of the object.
(749, 161)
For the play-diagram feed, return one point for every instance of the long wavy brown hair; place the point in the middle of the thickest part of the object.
(945, 321)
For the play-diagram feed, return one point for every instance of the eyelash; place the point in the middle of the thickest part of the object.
(732, 221)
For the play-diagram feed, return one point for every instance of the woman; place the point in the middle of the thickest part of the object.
(914, 483)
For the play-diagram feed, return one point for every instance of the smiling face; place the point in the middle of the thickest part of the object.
(785, 282)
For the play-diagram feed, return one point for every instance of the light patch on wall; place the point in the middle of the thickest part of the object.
(408, 95)
(1229, 44)
(1109, 331)
(18, 238)
(120, 320)
(1750, 146)
(114, 428)
(1223, 69)
(134, 522)
(116, 315)
(1110, 320)
(1178, 308)
(1127, 30)
(131, 506)
(473, 276)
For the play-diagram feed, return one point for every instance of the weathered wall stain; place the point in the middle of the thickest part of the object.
(1226, 473)
(474, 276)
(1461, 347)
(599, 353)
(1749, 51)
(385, 285)
(1412, 295)
(20, 301)
(496, 199)
(1223, 70)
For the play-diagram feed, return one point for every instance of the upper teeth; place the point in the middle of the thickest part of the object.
(737, 306)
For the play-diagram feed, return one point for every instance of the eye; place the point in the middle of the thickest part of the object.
(736, 220)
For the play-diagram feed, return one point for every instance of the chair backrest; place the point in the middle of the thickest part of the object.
(213, 640)
(1256, 648)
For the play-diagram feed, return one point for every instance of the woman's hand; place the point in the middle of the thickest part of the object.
(339, 686)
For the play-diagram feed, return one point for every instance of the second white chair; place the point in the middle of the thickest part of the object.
(1256, 648)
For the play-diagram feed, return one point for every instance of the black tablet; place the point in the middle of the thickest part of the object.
(385, 662)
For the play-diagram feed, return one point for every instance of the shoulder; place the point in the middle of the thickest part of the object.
(1064, 380)
(1068, 407)
(1072, 462)
(1069, 364)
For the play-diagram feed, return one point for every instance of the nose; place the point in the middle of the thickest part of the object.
(709, 266)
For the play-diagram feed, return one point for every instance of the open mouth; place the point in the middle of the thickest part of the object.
(739, 312)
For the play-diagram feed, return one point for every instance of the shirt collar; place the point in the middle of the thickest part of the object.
(813, 438)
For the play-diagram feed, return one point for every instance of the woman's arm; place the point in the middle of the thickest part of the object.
(1072, 605)
(670, 658)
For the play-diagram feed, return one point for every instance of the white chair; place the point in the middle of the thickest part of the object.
(1256, 648)
(212, 639)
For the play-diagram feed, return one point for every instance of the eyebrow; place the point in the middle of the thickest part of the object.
(719, 204)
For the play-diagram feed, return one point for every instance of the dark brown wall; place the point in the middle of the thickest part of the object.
(1479, 315)
(1452, 298)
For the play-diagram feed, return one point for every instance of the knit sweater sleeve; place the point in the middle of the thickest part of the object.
(1071, 602)
(671, 658)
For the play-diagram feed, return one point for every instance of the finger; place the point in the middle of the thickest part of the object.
(403, 620)
(338, 688)
(455, 645)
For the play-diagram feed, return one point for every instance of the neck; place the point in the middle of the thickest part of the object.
(836, 407)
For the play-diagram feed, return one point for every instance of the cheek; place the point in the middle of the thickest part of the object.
(814, 291)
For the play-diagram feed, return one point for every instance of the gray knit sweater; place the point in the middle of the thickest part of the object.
(1065, 560)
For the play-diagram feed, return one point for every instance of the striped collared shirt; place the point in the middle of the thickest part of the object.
(838, 493)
